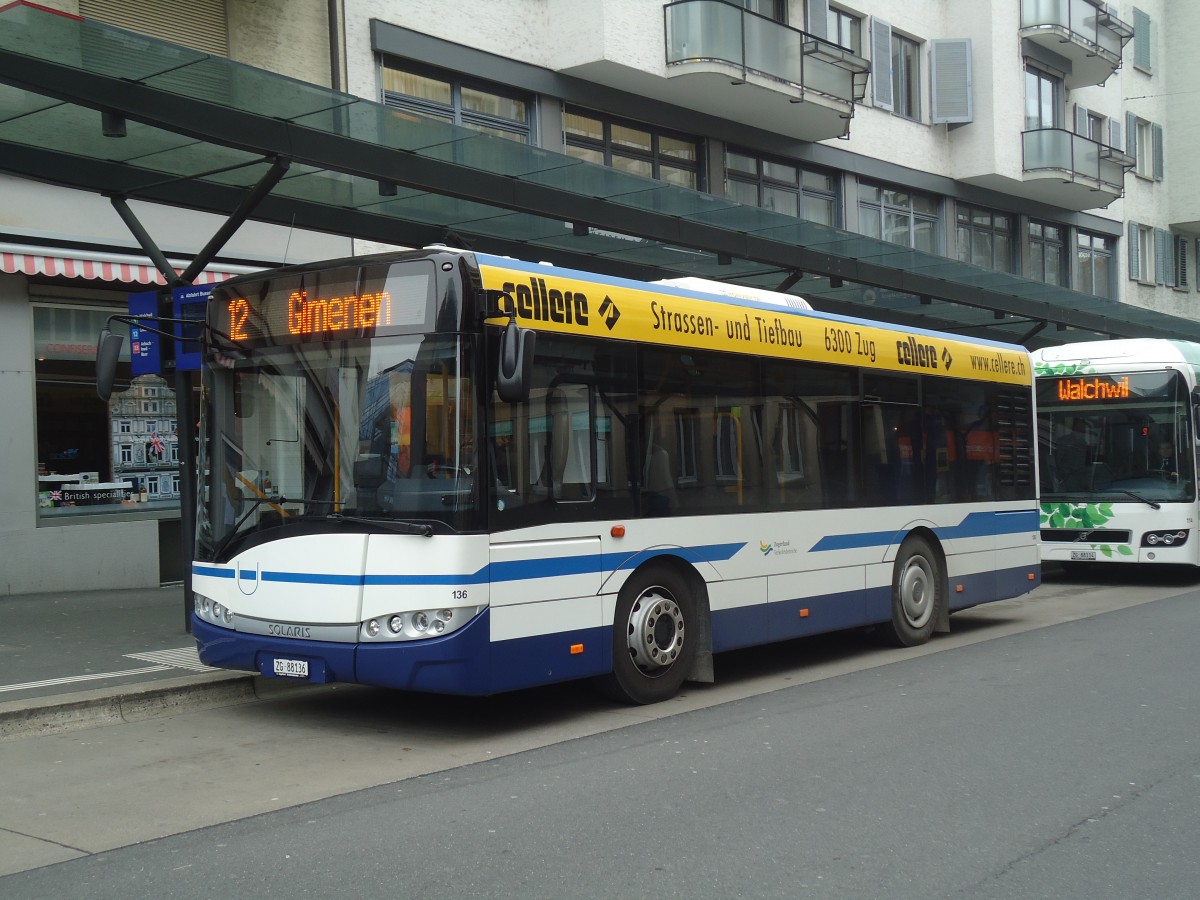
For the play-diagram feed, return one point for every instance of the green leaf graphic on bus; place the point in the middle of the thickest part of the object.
(1082, 367)
(1075, 515)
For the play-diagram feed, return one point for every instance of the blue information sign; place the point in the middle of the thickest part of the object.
(190, 303)
(145, 351)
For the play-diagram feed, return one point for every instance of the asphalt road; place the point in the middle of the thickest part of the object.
(1048, 748)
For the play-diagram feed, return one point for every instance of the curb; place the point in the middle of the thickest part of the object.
(135, 703)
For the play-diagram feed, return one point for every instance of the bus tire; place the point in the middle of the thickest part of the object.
(654, 636)
(918, 593)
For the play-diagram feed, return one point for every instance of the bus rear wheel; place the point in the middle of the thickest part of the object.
(654, 637)
(918, 592)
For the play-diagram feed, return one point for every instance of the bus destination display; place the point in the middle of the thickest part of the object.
(304, 309)
(1095, 387)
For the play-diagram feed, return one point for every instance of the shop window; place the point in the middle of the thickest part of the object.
(1046, 252)
(782, 186)
(93, 456)
(985, 237)
(899, 216)
(632, 147)
(447, 96)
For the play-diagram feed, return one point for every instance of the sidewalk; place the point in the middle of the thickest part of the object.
(71, 660)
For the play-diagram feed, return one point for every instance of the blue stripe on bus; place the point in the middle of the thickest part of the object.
(977, 524)
(516, 570)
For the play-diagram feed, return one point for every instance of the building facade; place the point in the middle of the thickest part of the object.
(1043, 138)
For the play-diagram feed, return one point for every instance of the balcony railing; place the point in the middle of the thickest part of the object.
(717, 31)
(1084, 31)
(1059, 152)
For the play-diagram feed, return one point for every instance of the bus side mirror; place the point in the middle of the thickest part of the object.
(108, 350)
(514, 368)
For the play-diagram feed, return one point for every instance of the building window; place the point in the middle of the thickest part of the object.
(984, 237)
(906, 77)
(1093, 264)
(845, 30)
(899, 216)
(1046, 252)
(771, 9)
(632, 147)
(1145, 143)
(782, 187)
(1043, 99)
(483, 107)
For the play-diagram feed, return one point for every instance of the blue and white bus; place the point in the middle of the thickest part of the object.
(1117, 432)
(451, 472)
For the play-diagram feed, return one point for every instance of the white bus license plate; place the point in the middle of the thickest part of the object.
(291, 668)
(1075, 554)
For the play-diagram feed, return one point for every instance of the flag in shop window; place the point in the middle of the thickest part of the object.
(155, 446)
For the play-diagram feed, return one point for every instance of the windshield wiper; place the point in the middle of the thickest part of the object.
(278, 502)
(1139, 497)
(390, 524)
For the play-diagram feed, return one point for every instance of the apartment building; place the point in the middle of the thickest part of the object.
(1042, 139)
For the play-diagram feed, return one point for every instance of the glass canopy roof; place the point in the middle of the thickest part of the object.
(201, 132)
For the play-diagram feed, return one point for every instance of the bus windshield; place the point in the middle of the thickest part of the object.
(367, 434)
(1115, 437)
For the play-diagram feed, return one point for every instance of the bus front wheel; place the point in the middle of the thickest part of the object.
(918, 593)
(654, 637)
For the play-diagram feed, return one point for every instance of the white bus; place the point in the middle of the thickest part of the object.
(451, 472)
(1116, 431)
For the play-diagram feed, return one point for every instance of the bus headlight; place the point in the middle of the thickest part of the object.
(418, 624)
(212, 612)
(1173, 538)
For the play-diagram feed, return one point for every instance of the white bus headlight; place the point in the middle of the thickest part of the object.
(418, 624)
(1172, 538)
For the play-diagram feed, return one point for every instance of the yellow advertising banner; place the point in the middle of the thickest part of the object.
(549, 299)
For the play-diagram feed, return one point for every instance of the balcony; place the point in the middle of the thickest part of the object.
(1071, 171)
(751, 69)
(1083, 31)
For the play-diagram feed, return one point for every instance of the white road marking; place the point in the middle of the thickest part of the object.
(71, 679)
(164, 660)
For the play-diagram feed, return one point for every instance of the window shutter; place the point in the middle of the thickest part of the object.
(1135, 273)
(881, 64)
(1181, 261)
(1141, 40)
(1081, 122)
(816, 18)
(1114, 133)
(1131, 146)
(951, 80)
(1160, 256)
(1157, 131)
(199, 24)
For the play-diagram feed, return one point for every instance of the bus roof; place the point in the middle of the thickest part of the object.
(1130, 351)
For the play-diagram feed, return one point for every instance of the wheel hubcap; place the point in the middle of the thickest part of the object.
(655, 630)
(917, 592)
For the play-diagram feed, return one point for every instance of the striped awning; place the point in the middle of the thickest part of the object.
(95, 266)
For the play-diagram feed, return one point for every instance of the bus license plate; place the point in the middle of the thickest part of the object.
(1075, 554)
(291, 668)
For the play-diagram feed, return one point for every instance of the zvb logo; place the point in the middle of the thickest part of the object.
(946, 358)
(609, 310)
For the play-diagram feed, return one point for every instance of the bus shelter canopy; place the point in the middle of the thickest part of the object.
(92, 107)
